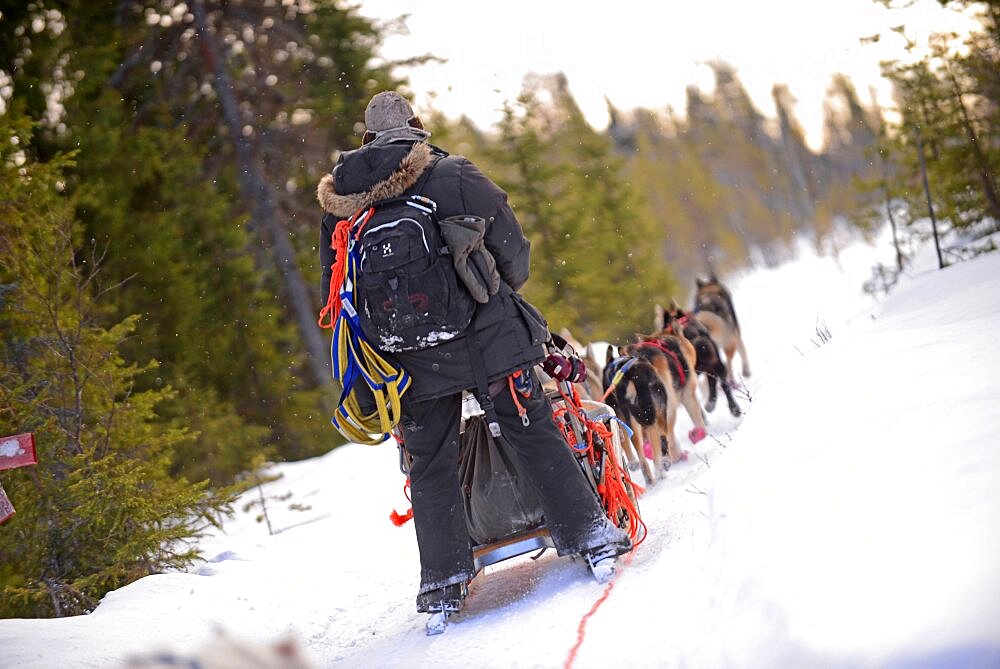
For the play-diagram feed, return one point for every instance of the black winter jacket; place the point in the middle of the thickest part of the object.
(511, 332)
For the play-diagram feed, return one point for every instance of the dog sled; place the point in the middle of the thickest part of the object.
(505, 521)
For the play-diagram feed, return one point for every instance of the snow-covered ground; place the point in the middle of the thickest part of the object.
(851, 518)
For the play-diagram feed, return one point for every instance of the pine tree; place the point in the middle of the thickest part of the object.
(206, 313)
(796, 156)
(617, 246)
(268, 90)
(155, 185)
(596, 265)
(531, 181)
(957, 76)
(101, 508)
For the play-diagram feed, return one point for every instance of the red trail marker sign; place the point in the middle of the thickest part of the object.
(15, 451)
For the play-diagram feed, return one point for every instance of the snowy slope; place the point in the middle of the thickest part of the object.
(852, 518)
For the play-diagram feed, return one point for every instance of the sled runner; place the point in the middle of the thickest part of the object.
(504, 516)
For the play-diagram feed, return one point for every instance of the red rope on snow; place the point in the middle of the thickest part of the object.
(613, 495)
(581, 629)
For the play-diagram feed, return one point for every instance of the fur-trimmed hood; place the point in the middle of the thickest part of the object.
(370, 174)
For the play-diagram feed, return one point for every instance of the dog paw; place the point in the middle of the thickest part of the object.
(710, 406)
(735, 410)
(696, 434)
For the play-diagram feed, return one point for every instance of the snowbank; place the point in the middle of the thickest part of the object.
(850, 519)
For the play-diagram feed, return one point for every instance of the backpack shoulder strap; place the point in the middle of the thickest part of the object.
(418, 188)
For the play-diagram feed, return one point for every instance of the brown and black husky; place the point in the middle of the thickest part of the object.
(673, 357)
(640, 401)
(713, 307)
(708, 360)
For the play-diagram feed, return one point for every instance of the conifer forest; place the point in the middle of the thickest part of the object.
(159, 283)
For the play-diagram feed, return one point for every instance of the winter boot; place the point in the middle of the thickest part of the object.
(602, 563)
(601, 559)
(441, 603)
(447, 599)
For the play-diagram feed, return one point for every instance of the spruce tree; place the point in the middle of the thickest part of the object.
(617, 247)
(101, 508)
(156, 184)
(531, 181)
(596, 265)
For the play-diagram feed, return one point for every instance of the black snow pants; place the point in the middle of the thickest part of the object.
(573, 515)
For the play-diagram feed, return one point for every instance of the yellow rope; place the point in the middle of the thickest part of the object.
(386, 382)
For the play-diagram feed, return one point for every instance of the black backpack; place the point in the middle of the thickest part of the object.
(408, 296)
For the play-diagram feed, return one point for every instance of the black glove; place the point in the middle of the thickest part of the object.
(563, 368)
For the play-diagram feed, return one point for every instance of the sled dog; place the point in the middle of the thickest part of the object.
(640, 401)
(708, 360)
(713, 307)
(673, 356)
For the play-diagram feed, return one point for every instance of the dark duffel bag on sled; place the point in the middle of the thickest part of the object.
(499, 498)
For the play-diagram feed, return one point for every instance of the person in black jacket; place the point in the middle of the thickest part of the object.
(510, 334)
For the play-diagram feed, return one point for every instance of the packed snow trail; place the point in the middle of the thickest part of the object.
(849, 519)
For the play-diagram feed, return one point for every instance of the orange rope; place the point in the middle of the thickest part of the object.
(401, 519)
(337, 272)
(613, 494)
(612, 491)
(338, 242)
(581, 629)
(521, 411)
(616, 496)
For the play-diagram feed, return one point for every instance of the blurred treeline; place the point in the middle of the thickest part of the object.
(721, 187)
(717, 188)
(158, 260)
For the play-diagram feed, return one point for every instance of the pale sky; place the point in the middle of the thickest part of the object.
(645, 54)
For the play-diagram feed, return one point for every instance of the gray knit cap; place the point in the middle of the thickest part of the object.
(389, 113)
